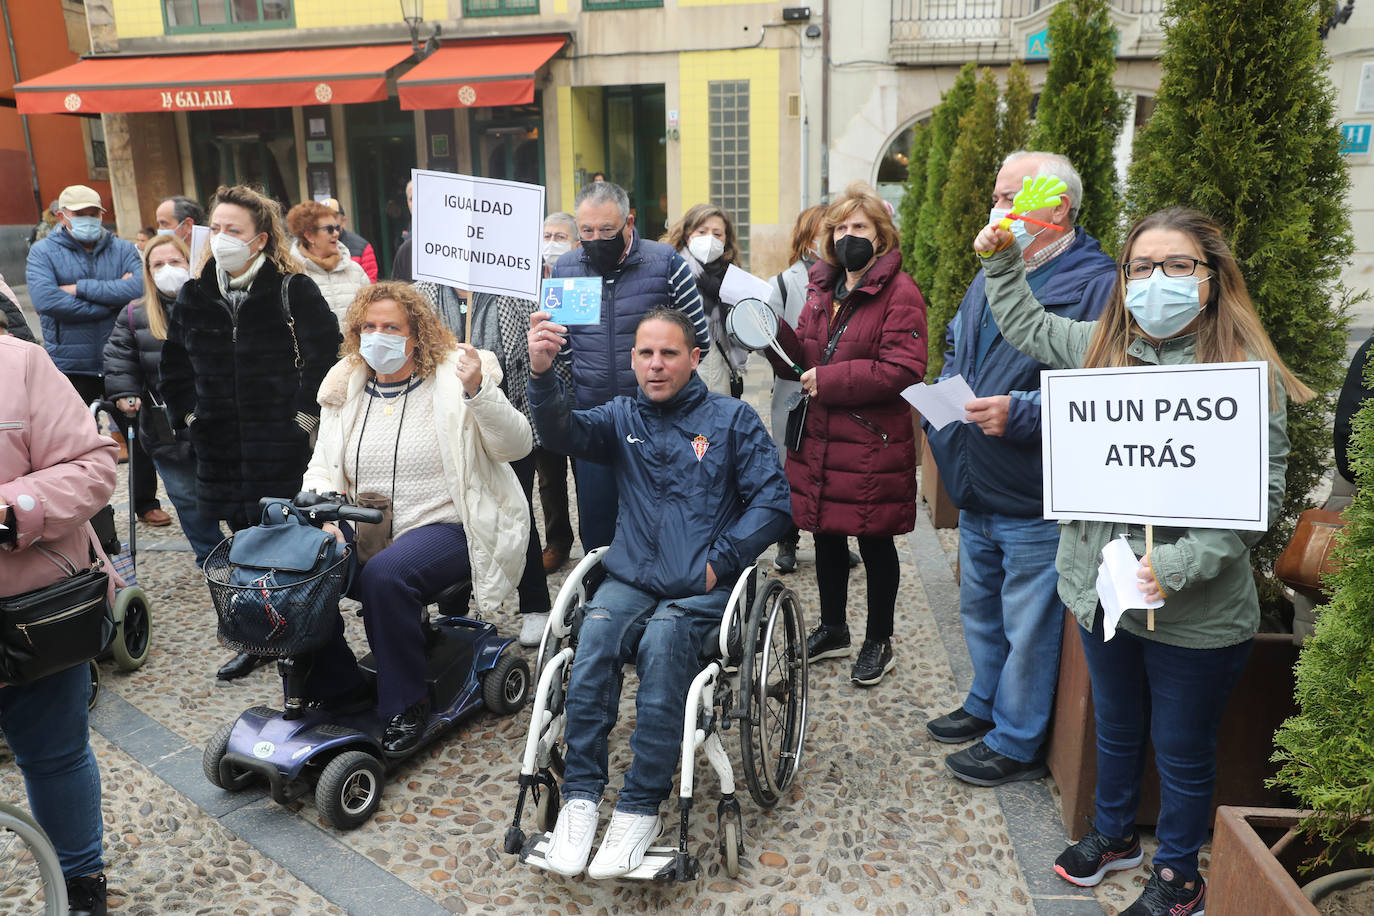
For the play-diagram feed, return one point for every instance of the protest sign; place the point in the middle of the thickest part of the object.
(1183, 446)
(477, 234)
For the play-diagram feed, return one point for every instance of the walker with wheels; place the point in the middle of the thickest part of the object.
(30, 874)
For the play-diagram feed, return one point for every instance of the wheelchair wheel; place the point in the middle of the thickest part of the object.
(133, 633)
(350, 789)
(506, 687)
(546, 809)
(210, 760)
(95, 684)
(30, 875)
(773, 692)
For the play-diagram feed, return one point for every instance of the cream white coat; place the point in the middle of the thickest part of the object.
(339, 285)
(477, 437)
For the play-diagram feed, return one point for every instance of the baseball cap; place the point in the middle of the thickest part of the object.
(79, 197)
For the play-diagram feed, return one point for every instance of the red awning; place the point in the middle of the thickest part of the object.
(479, 73)
(195, 82)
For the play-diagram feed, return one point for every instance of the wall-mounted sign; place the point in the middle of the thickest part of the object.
(1038, 44)
(1355, 139)
(319, 151)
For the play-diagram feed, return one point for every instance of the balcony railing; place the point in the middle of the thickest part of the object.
(989, 20)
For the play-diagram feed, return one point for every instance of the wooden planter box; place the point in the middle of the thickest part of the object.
(943, 512)
(1263, 698)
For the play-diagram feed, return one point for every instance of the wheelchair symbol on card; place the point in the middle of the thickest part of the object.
(573, 300)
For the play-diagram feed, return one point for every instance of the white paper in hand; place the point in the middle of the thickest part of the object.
(740, 284)
(1117, 587)
(942, 403)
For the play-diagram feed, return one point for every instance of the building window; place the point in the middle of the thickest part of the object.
(500, 7)
(97, 164)
(227, 15)
(619, 4)
(729, 160)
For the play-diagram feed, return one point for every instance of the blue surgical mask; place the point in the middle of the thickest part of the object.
(1018, 228)
(166, 231)
(1162, 305)
(385, 353)
(86, 228)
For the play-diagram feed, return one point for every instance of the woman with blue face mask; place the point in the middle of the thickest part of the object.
(248, 342)
(414, 417)
(1181, 300)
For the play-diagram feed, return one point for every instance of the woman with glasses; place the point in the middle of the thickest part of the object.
(1182, 301)
(326, 260)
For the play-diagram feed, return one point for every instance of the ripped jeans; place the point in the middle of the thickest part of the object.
(664, 639)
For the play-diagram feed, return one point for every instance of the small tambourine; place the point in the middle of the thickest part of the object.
(754, 326)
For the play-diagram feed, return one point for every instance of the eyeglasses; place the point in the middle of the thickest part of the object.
(588, 235)
(1180, 266)
(331, 229)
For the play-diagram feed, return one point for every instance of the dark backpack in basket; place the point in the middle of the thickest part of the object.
(283, 579)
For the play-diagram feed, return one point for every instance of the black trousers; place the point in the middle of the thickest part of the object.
(832, 580)
(553, 496)
(144, 495)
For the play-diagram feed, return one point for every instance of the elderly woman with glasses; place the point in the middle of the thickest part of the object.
(326, 260)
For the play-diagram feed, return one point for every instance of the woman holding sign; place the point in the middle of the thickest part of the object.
(1182, 301)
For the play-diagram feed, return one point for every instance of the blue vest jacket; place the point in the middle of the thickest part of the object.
(1002, 474)
(75, 327)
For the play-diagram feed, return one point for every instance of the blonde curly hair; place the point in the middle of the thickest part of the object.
(267, 218)
(433, 341)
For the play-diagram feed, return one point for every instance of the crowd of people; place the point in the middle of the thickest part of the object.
(275, 362)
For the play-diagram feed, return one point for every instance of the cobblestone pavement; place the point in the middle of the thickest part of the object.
(874, 823)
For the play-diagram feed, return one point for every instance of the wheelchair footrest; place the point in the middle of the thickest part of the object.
(655, 859)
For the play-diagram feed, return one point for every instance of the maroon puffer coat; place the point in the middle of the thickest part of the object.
(856, 471)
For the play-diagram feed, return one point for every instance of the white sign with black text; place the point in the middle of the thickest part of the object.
(1182, 446)
(477, 234)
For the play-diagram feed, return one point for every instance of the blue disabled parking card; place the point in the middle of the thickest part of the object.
(572, 300)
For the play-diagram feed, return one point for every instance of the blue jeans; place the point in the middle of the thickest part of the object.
(1147, 690)
(664, 638)
(598, 501)
(179, 477)
(45, 725)
(1013, 624)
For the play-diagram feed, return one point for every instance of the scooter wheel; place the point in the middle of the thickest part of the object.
(350, 789)
(506, 687)
(210, 761)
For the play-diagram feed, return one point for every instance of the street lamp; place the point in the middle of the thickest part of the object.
(413, 12)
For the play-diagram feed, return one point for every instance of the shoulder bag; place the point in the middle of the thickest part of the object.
(55, 627)
(1309, 558)
(796, 415)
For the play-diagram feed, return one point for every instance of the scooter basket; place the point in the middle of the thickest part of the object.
(272, 619)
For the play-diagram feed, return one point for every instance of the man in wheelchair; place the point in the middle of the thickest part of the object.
(701, 495)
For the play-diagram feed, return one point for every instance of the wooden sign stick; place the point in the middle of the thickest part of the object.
(1149, 546)
(467, 333)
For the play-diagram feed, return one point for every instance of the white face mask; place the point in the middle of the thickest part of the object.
(705, 248)
(554, 250)
(230, 254)
(170, 278)
(385, 353)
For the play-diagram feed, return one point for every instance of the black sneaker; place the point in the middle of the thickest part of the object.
(86, 896)
(786, 560)
(1088, 861)
(827, 642)
(957, 727)
(875, 660)
(1165, 895)
(982, 766)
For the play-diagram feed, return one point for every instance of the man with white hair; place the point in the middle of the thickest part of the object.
(1013, 619)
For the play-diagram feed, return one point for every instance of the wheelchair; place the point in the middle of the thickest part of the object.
(757, 682)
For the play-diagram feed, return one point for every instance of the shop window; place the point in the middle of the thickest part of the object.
(500, 7)
(619, 4)
(227, 15)
(729, 158)
(93, 132)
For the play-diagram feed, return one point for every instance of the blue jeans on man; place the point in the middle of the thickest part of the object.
(665, 639)
(1145, 690)
(1013, 625)
(46, 727)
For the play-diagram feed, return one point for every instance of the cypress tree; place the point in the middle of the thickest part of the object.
(964, 210)
(1244, 131)
(1325, 750)
(913, 195)
(1015, 126)
(944, 130)
(1081, 113)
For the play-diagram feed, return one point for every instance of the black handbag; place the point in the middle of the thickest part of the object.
(55, 627)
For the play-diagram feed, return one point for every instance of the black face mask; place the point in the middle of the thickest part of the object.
(854, 251)
(604, 254)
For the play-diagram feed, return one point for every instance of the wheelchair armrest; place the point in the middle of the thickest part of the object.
(736, 610)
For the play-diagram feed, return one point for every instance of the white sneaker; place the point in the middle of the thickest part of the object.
(532, 630)
(572, 837)
(622, 849)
